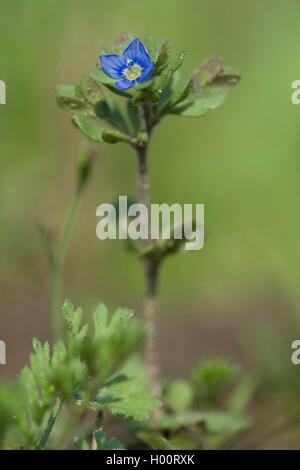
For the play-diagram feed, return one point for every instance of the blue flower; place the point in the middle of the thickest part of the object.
(134, 65)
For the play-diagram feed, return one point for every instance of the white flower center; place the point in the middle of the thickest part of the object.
(133, 71)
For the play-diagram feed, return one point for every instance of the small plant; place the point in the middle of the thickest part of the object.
(86, 372)
(145, 74)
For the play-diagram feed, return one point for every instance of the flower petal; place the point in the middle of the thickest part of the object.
(124, 84)
(146, 73)
(113, 65)
(137, 52)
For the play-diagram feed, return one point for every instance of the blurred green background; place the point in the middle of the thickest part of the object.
(241, 161)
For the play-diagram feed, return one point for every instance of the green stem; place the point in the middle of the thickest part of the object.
(58, 267)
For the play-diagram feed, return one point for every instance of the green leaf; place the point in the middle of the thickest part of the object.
(242, 395)
(152, 46)
(81, 444)
(40, 364)
(213, 422)
(124, 398)
(113, 136)
(100, 318)
(88, 128)
(177, 62)
(115, 90)
(200, 105)
(163, 80)
(51, 421)
(12, 400)
(134, 114)
(155, 440)
(211, 377)
(216, 423)
(91, 90)
(208, 70)
(163, 56)
(102, 110)
(72, 317)
(70, 98)
(115, 116)
(28, 382)
(179, 395)
(112, 444)
(182, 94)
(101, 77)
(146, 96)
(227, 76)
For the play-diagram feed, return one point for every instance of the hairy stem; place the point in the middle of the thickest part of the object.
(58, 267)
(150, 312)
(151, 267)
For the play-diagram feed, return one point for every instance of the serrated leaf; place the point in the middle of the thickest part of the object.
(40, 362)
(112, 444)
(59, 356)
(125, 400)
(12, 400)
(100, 318)
(212, 376)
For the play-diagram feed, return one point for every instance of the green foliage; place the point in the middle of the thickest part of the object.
(210, 378)
(11, 402)
(179, 395)
(126, 399)
(200, 412)
(91, 107)
(82, 372)
(101, 442)
(112, 444)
